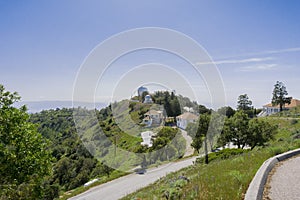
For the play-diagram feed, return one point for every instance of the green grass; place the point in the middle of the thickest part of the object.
(221, 178)
(293, 113)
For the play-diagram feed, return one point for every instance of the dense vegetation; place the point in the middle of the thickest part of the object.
(24, 159)
(73, 165)
(173, 104)
(50, 157)
(242, 131)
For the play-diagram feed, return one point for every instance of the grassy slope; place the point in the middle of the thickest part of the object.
(222, 179)
(293, 113)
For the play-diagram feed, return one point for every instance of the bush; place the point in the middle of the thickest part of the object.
(222, 155)
(294, 121)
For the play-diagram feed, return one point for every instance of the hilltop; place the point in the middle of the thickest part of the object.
(74, 165)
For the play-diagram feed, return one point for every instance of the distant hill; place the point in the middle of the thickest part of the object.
(37, 106)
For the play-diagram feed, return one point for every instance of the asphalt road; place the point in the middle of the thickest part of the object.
(284, 183)
(127, 184)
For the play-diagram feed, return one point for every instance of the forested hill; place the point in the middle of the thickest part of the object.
(73, 165)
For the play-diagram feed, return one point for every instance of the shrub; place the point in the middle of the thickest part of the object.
(222, 155)
(294, 121)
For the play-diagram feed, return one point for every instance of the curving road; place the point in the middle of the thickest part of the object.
(284, 182)
(188, 149)
(127, 184)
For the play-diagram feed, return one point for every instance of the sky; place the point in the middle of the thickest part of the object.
(252, 43)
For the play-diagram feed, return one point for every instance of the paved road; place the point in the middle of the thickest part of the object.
(125, 185)
(285, 182)
(188, 149)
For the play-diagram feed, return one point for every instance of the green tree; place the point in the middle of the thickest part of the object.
(261, 132)
(191, 129)
(143, 96)
(201, 133)
(167, 105)
(236, 130)
(227, 111)
(280, 95)
(216, 126)
(24, 160)
(204, 110)
(175, 106)
(242, 131)
(244, 103)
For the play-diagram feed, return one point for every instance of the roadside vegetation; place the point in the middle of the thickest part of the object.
(228, 173)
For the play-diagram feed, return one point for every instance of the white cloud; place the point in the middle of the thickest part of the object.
(282, 50)
(237, 61)
(259, 67)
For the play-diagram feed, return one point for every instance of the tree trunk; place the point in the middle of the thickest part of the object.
(205, 149)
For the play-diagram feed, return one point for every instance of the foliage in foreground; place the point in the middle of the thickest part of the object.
(24, 160)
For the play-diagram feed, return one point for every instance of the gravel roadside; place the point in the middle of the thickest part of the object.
(284, 181)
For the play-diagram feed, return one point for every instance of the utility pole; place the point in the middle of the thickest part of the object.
(205, 149)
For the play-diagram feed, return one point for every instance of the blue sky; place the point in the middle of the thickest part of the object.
(253, 43)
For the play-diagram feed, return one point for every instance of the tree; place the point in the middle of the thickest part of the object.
(191, 129)
(215, 128)
(24, 160)
(261, 132)
(201, 133)
(279, 95)
(236, 130)
(244, 103)
(227, 111)
(203, 110)
(175, 107)
(242, 131)
(166, 102)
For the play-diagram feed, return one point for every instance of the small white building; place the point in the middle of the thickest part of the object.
(185, 118)
(269, 109)
(153, 117)
(188, 109)
(146, 136)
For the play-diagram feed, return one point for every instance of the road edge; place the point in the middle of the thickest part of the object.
(256, 187)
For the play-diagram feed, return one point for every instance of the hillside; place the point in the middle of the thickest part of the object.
(229, 172)
(292, 113)
(110, 141)
(73, 165)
